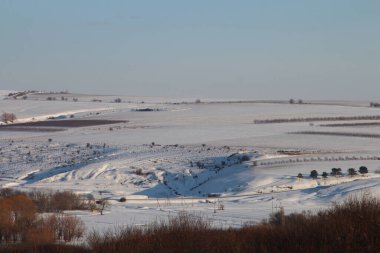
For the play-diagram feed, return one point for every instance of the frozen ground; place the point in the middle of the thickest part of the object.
(188, 156)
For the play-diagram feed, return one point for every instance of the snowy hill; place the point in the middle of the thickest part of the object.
(189, 156)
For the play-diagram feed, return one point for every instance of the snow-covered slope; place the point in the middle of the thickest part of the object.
(188, 156)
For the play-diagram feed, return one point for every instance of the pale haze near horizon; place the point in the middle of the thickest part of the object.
(219, 49)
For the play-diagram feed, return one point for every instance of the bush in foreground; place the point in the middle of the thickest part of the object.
(350, 226)
(48, 201)
(20, 223)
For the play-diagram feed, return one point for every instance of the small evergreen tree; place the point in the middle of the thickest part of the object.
(300, 175)
(324, 174)
(363, 170)
(352, 172)
(314, 174)
(336, 172)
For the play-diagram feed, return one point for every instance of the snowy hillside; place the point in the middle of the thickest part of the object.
(165, 156)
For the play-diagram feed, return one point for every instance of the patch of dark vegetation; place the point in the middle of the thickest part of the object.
(123, 199)
(337, 172)
(296, 152)
(22, 94)
(352, 124)
(293, 101)
(147, 110)
(290, 152)
(139, 172)
(66, 123)
(362, 135)
(21, 224)
(27, 247)
(245, 158)
(58, 117)
(352, 226)
(374, 104)
(316, 159)
(312, 119)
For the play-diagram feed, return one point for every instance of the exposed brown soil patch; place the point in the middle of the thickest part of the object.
(67, 123)
(56, 125)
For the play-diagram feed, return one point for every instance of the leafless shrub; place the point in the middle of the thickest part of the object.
(346, 227)
(59, 201)
(65, 228)
(8, 117)
(40, 236)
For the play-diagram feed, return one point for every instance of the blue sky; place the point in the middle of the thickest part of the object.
(325, 49)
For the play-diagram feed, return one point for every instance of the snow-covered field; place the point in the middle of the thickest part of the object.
(188, 156)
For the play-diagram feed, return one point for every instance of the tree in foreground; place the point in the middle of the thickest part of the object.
(65, 228)
(324, 174)
(20, 222)
(348, 226)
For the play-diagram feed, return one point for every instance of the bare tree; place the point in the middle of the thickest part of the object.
(64, 227)
(8, 117)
